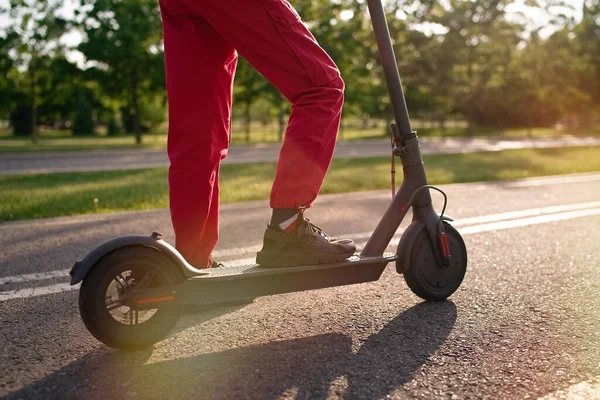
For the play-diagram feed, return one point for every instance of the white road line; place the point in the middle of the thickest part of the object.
(580, 391)
(529, 217)
(542, 219)
(36, 291)
(524, 213)
(492, 218)
(38, 276)
(553, 180)
(498, 226)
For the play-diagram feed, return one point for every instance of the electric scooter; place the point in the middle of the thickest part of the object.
(135, 287)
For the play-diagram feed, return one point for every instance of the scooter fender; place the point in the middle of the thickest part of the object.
(408, 240)
(406, 244)
(81, 268)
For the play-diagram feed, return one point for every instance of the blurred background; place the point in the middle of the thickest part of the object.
(94, 68)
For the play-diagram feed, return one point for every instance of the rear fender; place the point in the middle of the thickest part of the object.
(82, 268)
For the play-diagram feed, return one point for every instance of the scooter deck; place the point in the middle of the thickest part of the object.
(238, 282)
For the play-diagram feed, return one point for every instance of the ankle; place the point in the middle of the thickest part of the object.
(285, 219)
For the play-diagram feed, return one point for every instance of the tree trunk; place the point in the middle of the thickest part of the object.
(442, 121)
(137, 129)
(470, 102)
(470, 130)
(33, 105)
(280, 120)
(529, 125)
(247, 122)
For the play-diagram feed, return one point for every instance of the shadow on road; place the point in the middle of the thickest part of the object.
(312, 367)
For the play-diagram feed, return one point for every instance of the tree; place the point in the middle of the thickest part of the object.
(565, 75)
(61, 85)
(35, 36)
(476, 50)
(83, 122)
(588, 41)
(20, 120)
(123, 39)
(249, 85)
(8, 75)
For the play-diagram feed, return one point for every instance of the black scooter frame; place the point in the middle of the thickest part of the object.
(239, 282)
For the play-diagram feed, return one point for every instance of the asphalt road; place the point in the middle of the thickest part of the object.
(524, 324)
(105, 160)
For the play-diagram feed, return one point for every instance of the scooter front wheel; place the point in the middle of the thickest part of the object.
(425, 277)
(104, 294)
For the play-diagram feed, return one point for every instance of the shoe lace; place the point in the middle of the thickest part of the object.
(314, 229)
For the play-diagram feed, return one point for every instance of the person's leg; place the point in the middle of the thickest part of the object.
(200, 66)
(270, 35)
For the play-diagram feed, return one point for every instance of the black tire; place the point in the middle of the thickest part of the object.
(424, 276)
(157, 269)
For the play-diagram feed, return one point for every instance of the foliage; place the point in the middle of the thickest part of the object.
(8, 87)
(471, 58)
(20, 119)
(35, 39)
(113, 128)
(123, 38)
(83, 121)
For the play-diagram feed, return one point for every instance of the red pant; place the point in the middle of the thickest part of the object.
(201, 38)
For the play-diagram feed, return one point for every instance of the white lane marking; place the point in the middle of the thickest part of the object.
(580, 391)
(541, 219)
(525, 213)
(553, 180)
(465, 230)
(38, 276)
(498, 226)
(36, 291)
(464, 222)
(492, 218)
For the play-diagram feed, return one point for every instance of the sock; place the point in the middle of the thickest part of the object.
(285, 219)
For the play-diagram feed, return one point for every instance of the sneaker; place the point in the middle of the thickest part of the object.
(308, 245)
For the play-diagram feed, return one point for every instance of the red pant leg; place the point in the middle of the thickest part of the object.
(199, 70)
(270, 35)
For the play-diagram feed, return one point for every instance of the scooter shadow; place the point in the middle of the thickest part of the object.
(316, 367)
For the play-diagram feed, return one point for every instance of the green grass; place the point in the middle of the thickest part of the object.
(64, 141)
(50, 195)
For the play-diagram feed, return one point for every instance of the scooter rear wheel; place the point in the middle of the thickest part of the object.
(425, 277)
(104, 292)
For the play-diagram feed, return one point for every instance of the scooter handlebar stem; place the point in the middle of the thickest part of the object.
(390, 67)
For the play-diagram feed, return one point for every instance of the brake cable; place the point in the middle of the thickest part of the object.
(446, 256)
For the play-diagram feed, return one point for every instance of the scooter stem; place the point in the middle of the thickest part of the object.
(412, 162)
(390, 67)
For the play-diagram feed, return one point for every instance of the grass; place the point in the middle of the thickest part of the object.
(53, 140)
(50, 195)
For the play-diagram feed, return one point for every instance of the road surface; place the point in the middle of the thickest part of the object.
(524, 324)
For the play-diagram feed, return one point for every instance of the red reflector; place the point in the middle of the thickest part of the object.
(445, 245)
(156, 299)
